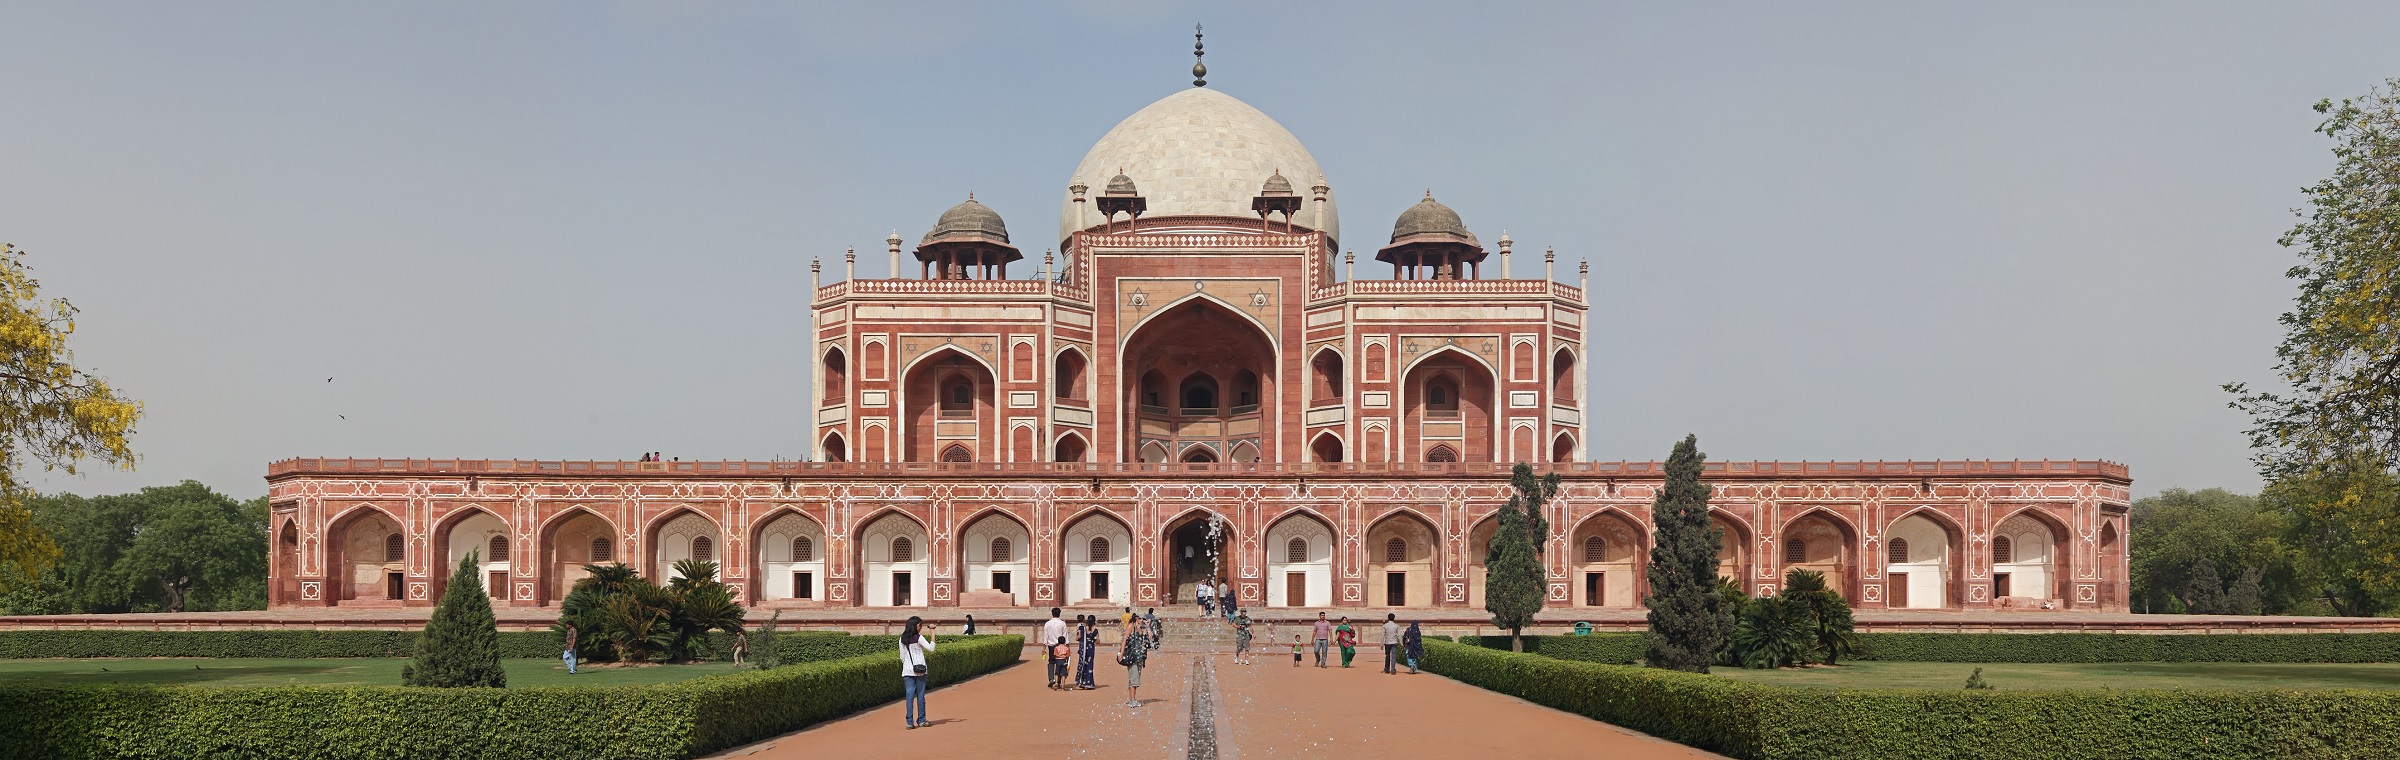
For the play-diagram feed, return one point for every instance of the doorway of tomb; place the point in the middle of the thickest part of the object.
(1194, 555)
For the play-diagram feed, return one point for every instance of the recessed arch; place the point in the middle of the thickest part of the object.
(835, 450)
(787, 545)
(1309, 582)
(1094, 578)
(1326, 376)
(1562, 376)
(2037, 570)
(1191, 363)
(1562, 448)
(1203, 298)
(994, 552)
(1450, 401)
(488, 525)
(1617, 577)
(836, 367)
(1404, 559)
(893, 550)
(936, 417)
(1830, 545)
(566, 542)
(673, 535)
(1327, 447)
(356, 566)
(1071, 447)
(1932, 570)
(1068, 369)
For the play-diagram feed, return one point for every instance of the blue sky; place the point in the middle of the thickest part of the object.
(582, 230)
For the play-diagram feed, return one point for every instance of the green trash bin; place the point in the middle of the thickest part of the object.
(1583, 629)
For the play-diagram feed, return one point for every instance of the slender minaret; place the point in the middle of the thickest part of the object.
(1077, 190)
(849, 264)
(1583, 278)
(1550, 264)
(1504, 246)
(892, 245)
(1045, 265)
(813, 266)
(1349, 265)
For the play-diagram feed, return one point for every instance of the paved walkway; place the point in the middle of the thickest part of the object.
(1205, 707)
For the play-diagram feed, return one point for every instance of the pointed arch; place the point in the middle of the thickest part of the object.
(892, 550)
(445, 562)
(1618, 576)
(1933, 582)
(786, 553)
(669, 537)
(356, 567)
(1071, 447)
(2041, 572)
(1068, 369)
(1562, 448)
(1096, 548)
(834, 449)
(566, 540)
(1449, 398)
(1830, 544)
(994, 554)
(1404, 559)
(1309, 581)
(1325, 385)
(873, 359)
(1327, 447)
(836, 367)
(1562, 376)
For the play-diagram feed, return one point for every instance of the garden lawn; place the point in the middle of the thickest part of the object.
(321, 672)
(2113, 675)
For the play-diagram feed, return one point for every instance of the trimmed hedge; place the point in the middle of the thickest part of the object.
(798, 646)
(1605, 648)
(673, 720)
(1626, 648)
(2129, 647)
(1789, 723)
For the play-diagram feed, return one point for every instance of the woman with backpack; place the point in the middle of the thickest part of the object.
(916, 641)
(1136, 653)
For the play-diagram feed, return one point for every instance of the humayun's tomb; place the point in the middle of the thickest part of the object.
(1196, 373)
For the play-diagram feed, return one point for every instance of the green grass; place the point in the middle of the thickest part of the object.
(2114, 675)
(323, 672)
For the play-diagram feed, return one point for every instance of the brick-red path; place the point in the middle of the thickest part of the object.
(1270, 710)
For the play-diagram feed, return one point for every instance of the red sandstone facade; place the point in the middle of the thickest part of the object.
(1187, 392)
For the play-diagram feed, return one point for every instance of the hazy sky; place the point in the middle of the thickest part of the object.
(582, 230)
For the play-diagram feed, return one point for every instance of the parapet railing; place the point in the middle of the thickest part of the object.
(1447, 287)
(2069, 468)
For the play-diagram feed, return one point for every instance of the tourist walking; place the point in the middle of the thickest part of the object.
(1296, 650)
(1241, 639)
(1158, 632)
(1347, 638)
(1391, 644)
(1324, 633)
(916, 640)
(970, 627)
(1225, 599)
(1135, 654)
(1414, 640)
(1084, 647)
(741, 648)
(569, 655)
(1054, 633)
(1207, 596)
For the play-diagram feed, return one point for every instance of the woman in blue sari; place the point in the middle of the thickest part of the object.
(1087, 639)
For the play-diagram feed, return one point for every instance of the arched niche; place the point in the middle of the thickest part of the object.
(996, 553)
(892, 551)
(790, 550)
(1608, 553)
(1098, 554)
(1300, 562)
(1403, 561)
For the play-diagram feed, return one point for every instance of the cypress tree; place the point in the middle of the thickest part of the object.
(1689, 624)
(461, 644)
(1513, 585)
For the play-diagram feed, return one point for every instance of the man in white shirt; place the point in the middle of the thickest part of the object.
(1054, 632)
(1391, 644)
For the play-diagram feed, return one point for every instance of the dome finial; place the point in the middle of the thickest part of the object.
(1199, 69)
(971, 195)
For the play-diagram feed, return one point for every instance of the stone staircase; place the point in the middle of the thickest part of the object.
(1189, 635)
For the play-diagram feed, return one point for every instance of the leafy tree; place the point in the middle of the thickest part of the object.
(51, 413)
(2332, 442)
(633, 620)
(2340, 354)
(1830, 623)
(2343, 533)
(1513, 584)
(1688, 622)
(2185, 542)
(164, 548)
(461, 643)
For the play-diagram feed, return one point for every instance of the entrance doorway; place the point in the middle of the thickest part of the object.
(2000, 585)
(1000, 582)
(1395, 589)
(804, 585)
(1099, 589)
(391, 586)
(1295, 589)
(1897, 586)
(1595, 589)
(1192, 557)
(497, 582)
(900, 587)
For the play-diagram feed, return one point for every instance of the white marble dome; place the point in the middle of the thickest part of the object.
(1198, 151)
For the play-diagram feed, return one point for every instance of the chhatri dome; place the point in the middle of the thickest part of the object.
(1198, 152)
